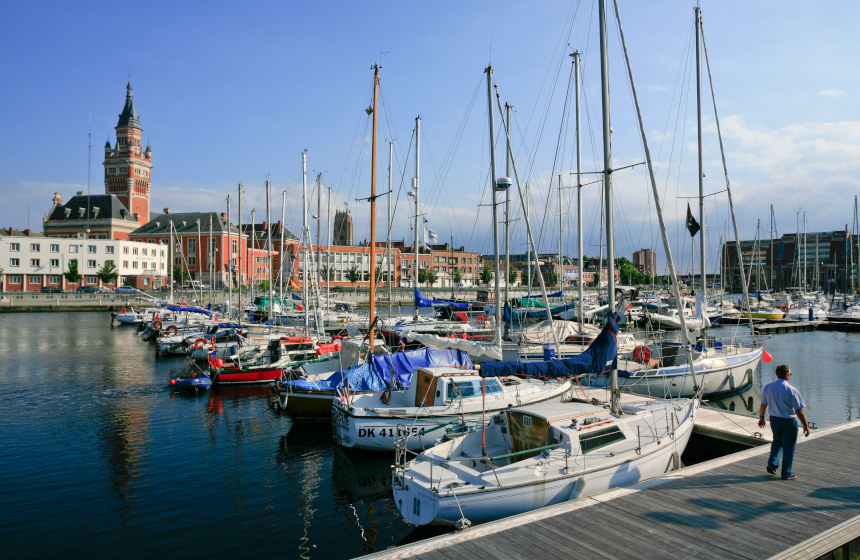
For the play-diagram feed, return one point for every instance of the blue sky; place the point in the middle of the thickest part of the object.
(230, 92)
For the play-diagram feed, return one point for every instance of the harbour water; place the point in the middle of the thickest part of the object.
(98, 458)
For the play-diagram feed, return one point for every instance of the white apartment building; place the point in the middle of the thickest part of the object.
(30, 262)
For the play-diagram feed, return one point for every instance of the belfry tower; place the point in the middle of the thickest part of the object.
(127, 166)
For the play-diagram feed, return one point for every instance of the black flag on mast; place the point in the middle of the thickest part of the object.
(692, 224)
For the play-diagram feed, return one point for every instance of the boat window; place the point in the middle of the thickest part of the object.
(472, 387)
(599, 438)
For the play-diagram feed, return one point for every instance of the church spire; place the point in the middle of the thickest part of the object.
(128, 117)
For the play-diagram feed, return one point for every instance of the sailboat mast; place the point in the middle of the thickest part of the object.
(305, 239)
(701, 165)
(373, 206)
(508, 108)
(388, 240)
(528, 245)
(328, 271)
(772, 223)
(497, 338)
(579, 255)
(560, 247)
(281, 252)
(415, 189)
(269, 247)
(241, 251)
(229, 258)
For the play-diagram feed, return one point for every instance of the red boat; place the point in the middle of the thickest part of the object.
(285, 352)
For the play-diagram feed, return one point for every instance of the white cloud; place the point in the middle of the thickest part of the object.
(833, 92)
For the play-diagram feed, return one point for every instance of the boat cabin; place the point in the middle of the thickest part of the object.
(439, 386)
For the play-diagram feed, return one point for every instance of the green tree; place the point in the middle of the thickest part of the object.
(107, 273)
(513, 273)
(457, 277)
(180, 275)
(486, 275)
(73, 275)
(422, 276)
(432, 275)
(353, 275)
(595, 280)
(551, 278)
(326, 273)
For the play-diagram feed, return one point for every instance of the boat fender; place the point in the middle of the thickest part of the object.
(641, 354)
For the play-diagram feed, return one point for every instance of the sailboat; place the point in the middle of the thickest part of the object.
(533, 456)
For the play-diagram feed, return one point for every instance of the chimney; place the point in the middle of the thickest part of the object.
(80, 193)
(57, 199)
(224, 216)
(167, 210)
(27, 232)
(280, 227)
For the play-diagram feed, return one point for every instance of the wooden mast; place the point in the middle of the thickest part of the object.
(373, 207)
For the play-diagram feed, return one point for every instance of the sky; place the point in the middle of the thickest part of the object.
(232, 93)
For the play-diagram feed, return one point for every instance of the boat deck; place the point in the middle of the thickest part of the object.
(723, 509)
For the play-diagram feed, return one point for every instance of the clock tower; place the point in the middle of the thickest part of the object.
(127, 165)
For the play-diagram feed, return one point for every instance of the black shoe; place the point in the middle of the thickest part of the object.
(790, 477)
(771, 470)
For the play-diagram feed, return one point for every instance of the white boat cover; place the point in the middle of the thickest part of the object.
(542, 332)
(468, 346)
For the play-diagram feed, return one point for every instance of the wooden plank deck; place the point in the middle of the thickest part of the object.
(726, 508)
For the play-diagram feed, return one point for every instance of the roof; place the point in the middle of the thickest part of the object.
(259, 231)
(93, 207)
(128, 117)
(184, 222)
(555, 411)
(12, 232)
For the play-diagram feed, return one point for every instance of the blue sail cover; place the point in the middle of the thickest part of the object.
(172, 307)
(519, 314)
(556, 294)
(421, 301)
(387, 369)
(598, 358)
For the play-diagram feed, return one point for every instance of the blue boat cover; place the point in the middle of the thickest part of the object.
(556, 294)
(171, 307)
(297, 297)
(421, 301)
(598, 358)
(508, 313)
(386, 369)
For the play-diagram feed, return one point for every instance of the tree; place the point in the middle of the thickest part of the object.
(457, 277)
(513, 273)
(432, 275)
(595, 280)
(422, 276)
(326, 273)
(107, 273)
(353, 275)
(73, 275)
(180, 275)
(486, 275)
(551, 278)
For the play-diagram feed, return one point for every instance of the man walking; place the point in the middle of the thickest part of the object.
(786, 406)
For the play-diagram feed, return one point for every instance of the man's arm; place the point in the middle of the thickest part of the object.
(802, 416)
(761, 410)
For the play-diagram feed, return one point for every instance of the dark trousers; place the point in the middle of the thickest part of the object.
(784, 441)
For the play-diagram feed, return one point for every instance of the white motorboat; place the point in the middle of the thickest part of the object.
(438, 398)
(538, 455)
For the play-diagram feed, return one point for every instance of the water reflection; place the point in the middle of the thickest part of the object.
(746, 402)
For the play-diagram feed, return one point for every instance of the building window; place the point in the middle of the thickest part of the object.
(73, 248)
(35, 247)
(92, 280)
(192, 261)
(125, 264)
(34, 279)
(14, 262)
(192, 246)
(14, 278)
(125, 250)
(91, 249)
(55, 279)
(55, 262)
(145, 252)
(109, 249)
(134, 264)
(134, 251)
(91, 263)
(55, 247)
(15, 247)
(34, 262)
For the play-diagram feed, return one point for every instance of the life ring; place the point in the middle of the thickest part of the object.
(792, 306)
(482, 319)
(122, 310)
(198, 345)
(172, 329)
(157, 324)
(641, 354)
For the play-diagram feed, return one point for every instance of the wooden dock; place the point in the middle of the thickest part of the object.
(723, 509)
(775, 327)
